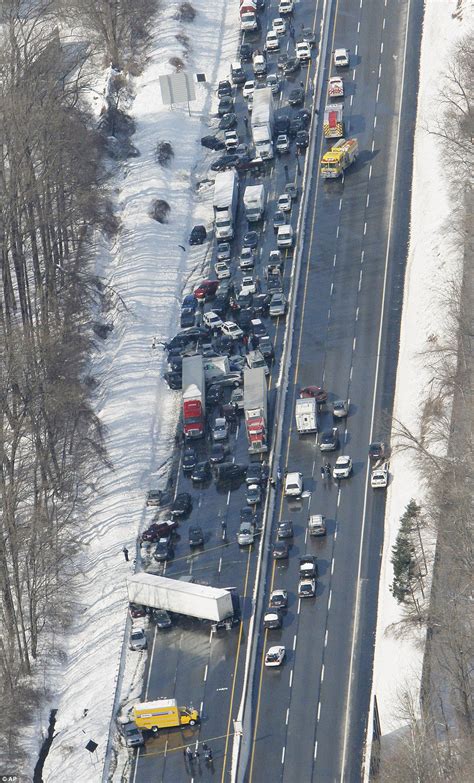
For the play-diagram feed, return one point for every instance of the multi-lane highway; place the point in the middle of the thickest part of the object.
(309, 717)
(307, 720)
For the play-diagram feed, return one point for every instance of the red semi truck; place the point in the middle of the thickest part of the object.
(255, 408)
(194, 397)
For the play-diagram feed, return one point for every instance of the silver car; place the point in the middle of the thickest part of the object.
(133, 737)
(237, 398)
(220, 430)
(340, 409)
(138, 640)
(278, 305)
(246, 534)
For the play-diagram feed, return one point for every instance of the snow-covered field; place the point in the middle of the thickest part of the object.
(147, 269)
(432, 263)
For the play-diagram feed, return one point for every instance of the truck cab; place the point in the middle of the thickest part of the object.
(256, 359)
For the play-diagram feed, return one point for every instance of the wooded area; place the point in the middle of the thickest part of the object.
(438, 743)
(52, 198)
(50, 437)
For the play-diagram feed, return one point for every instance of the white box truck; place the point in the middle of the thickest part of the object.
(226, 196)
(306, 415)
(219, 605)
(254, 202)
(262, 123)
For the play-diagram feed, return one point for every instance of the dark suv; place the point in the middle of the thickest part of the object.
(196, 536)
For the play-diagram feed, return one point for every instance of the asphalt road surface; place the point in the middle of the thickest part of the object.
(305, 723)
(311, 715)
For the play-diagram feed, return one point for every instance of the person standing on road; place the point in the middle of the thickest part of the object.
(188, 753)
(125, 554)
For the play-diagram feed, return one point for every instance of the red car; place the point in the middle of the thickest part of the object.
(206, 289)
(136, 611)
(314, 391)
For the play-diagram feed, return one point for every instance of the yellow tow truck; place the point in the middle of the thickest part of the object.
(338, 158)
(163, 714)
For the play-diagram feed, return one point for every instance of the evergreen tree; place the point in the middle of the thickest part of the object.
(403, 555)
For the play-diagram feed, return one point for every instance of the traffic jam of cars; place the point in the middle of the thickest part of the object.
(222, 358)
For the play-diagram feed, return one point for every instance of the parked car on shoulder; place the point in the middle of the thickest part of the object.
(154, 497)
(212, 143)
(377, 450)
(198, 235)
(132, 736)
(163, 550)
(138, 640)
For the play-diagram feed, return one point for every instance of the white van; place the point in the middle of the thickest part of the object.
(293, 485)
